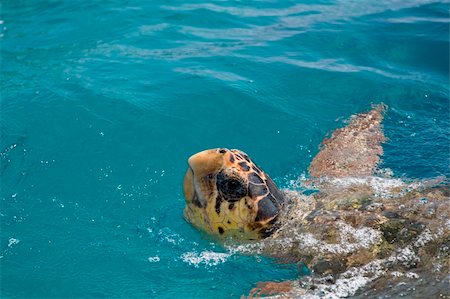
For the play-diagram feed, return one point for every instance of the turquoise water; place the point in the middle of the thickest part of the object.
(103, 102)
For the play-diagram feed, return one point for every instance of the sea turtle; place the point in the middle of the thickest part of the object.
(359, 228)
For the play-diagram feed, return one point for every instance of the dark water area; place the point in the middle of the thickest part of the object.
(103, 102)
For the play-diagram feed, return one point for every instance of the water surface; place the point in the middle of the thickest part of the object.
(103, 102)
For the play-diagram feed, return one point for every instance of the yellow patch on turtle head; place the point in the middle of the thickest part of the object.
(228, 195)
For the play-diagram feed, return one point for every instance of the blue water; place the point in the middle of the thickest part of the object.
(102, 102)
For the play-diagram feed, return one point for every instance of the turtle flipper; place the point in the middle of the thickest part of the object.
(353, 150)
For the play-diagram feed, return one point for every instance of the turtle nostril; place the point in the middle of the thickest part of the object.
(222, 151)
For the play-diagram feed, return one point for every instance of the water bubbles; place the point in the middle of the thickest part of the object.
(47, 162)
(172, 238)
(105, 172)
(12, 242)
(208, 258)
(382, 187)
(153, 259)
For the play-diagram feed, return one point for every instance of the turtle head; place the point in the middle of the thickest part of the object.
(228, 195)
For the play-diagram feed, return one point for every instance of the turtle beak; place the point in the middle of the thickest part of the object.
(200, 165)
(205, 162)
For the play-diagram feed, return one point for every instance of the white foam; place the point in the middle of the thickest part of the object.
(423, 238)
(364, 237)
(406, 256)
(250, 248)
(169, 237)
(12, 242)
(351, 240)
(208, 258)
(382, 187)
(154, 259)
(346, 287)
(348, 282)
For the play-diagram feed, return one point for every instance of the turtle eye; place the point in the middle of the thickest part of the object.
(231, 189)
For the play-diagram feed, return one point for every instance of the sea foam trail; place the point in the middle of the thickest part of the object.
(206, 258)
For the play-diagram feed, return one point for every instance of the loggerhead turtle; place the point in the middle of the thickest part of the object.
(382, 227)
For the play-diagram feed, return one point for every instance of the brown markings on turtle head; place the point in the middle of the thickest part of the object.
(244, 155)
(256, 169)
(274, 191)
(272, 226)
(244, 166)
(254, 178)
(266, 209)
(249, 206)
(257, 190)
(196, 201)
(231, 188)
(256, 186)
(218, 203)
(238, 157)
